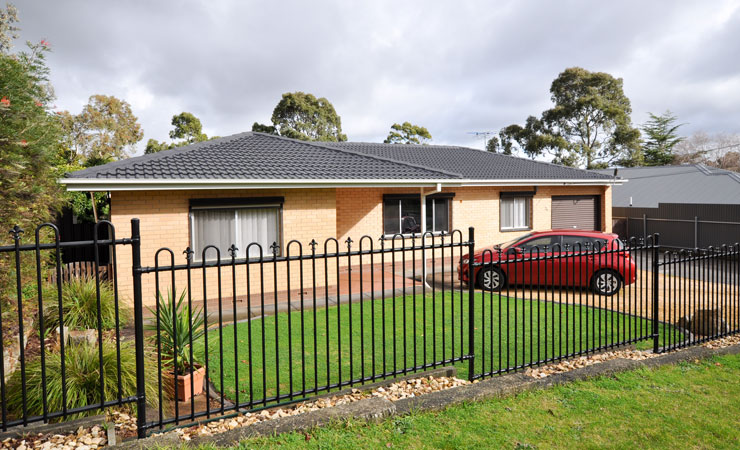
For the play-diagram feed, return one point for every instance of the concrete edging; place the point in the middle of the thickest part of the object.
(70, 426)
(373, 409)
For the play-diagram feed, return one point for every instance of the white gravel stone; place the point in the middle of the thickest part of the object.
(95, 437)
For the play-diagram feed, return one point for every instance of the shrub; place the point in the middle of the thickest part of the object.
(175, 323)
(82, 377)
(80, 306)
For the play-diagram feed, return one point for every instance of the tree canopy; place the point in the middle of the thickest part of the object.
(186, 127)
(588, 126)
(154, 146)
(104, 131)
(303, 116)
(30, 136)
(720, 150)
(407, 133)
(269, 129)
(661, 138)
(8, 31)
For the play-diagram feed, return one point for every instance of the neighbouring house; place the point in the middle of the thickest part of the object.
(255, 187)
(691, 206)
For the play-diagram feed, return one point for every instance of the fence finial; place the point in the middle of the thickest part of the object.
(188, 252)
(313, 244)
(275, 247)
(232, 250)
(16, 232)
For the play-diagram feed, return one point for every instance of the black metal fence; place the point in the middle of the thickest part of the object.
(680, 225)
(313, 319)
(45, 371)
(563, 301)
(214, 334)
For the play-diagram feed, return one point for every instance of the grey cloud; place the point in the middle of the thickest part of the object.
(453, 67)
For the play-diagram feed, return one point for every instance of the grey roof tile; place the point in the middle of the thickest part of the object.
(469, 163)
(258, 156)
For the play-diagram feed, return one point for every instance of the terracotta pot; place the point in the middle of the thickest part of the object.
(183, 383)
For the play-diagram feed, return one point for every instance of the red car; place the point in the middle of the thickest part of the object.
(554, 258)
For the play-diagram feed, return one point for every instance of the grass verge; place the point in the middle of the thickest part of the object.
(690, 405)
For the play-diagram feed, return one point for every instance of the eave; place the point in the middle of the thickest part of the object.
(107, 184)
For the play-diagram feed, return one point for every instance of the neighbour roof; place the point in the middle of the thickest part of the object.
(256, 157)
(692, 183)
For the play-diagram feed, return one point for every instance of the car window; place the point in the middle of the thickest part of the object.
(543, 243)
(512, 243)
(586, 242)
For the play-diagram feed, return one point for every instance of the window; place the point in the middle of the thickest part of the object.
(438, 215)
(515, 213)
(402, 214)
(587, 243)
(239, 225)
(543, 243)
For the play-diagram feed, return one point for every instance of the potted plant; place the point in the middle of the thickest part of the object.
(175, 324)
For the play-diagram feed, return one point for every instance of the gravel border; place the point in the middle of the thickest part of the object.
(373, 408)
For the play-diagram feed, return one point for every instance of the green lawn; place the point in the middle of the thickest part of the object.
(382, 336)
(691, 405)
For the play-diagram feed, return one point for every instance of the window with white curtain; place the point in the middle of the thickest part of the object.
(515, 213)
(240, 226)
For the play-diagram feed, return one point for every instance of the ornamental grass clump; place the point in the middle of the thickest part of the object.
(82, 370)
(80, 305)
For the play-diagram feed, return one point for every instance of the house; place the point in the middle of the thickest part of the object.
(691, 205)
(255, 187)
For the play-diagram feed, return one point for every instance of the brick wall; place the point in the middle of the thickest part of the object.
(164, 216)
(309, 214)
(360, 211)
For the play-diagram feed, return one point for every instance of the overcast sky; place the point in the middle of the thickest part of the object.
(454, 67)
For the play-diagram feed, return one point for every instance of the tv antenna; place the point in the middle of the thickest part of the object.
(485, 135)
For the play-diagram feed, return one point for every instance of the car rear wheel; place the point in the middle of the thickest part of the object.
(606, 282)
(491, 278)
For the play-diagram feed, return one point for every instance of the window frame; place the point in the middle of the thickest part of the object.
(527, 196)
(236, 204)
(447, 196)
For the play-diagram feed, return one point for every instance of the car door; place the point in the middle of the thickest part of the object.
(536, 266)
(584, 255)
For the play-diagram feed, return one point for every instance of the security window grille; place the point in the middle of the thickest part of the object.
(515, 213)
(239, 226)
(404, 215)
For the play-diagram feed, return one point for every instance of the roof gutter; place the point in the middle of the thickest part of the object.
(105, 184)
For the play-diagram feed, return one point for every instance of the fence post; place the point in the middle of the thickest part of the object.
(656, 287)
(696, 231)
(138, 329)
(471, 304)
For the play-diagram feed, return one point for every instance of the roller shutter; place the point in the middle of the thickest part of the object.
(579, 212)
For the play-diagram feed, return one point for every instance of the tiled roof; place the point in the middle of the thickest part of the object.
(470, 163)
(258, 156)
